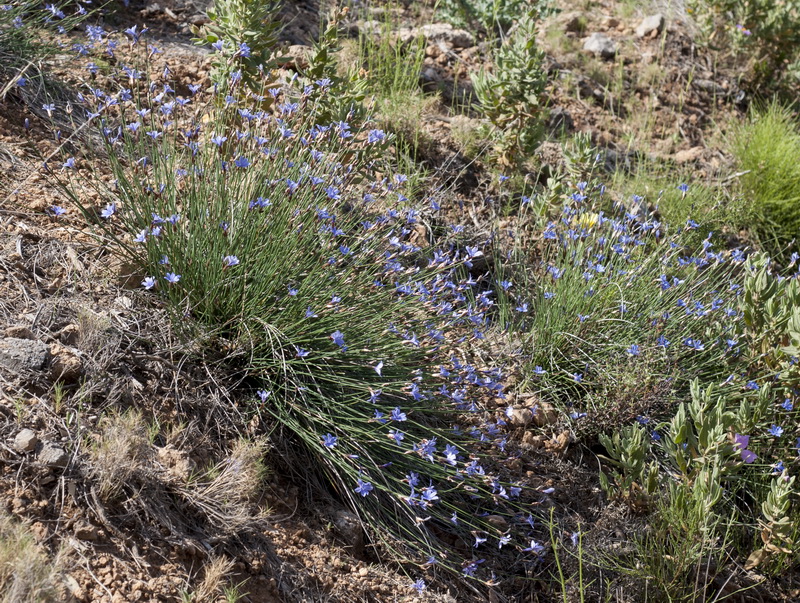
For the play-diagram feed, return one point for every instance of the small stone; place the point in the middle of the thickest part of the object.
(520, 417)
(688, 155)
(26, 441)
(650, 26)
(86, 531)
(199, 19)
(52, 456)
(19, 332)
(533, 441)
(498, 522)
(349, 528)
(573, 22)
(22, 355)
(70, 335)
(599, 44)
(560, 121)
(435, 33)
(65, 364)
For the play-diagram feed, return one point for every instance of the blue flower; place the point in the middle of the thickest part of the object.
(363, 488)
(776, 430)
(149, 282)
(58, 211)
(229, 261)
(242, 162)
(329, 441)
(338, 339)
(787, 405)
(633, 350)
(419, 585)
(374, 136)
(109, 210)
(398, 415)
(172, 278)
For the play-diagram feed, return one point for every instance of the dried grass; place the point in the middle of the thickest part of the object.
(26, 573)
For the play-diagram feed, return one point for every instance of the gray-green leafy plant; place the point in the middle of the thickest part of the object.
(244, 35)
(511, 94)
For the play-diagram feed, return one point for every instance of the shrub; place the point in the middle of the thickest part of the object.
(243, 34)
(767, 149)
(271, 232)
(768, 29)
(614, 305)
(511, 95)
(493, 16)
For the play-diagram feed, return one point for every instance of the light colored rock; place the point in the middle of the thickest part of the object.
(65, 364)
(599, 44)
(52, 455)
(650, 26)
(22, 355)
(688, 155)
(438, 33)
(520, 417)
(26, 440)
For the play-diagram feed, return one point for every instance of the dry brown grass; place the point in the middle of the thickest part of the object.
(27, 575)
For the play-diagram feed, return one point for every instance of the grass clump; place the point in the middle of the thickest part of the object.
(614, 301)
(767, 148)
(288, 241)
(26, 573)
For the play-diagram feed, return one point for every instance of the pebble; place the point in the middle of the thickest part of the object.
(599, 44)
(26, 441)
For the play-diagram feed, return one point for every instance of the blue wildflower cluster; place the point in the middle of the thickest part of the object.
(290, 241)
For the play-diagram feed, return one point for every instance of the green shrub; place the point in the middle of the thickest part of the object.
(615, 305)
(511, 95)
(243, 34)
(493, 16)
(767, 149)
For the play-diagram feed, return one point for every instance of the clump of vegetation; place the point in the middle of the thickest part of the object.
(511, 95)
(26, 573)
(769, 31)
(27, 38)
(271, 232)
(493, 16)
(767, 150)
(243, 34)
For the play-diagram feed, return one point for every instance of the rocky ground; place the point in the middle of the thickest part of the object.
(78, 345)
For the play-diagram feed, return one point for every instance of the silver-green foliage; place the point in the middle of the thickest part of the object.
(246, 34)
(511, 94)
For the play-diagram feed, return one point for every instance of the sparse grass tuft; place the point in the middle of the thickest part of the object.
(27, 575)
